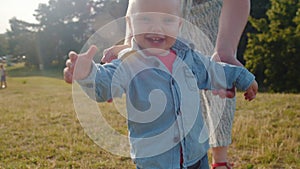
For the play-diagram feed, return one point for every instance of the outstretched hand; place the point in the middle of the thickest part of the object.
(82, 62)
(251, 92)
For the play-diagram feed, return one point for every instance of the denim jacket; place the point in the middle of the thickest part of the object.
(164, 113)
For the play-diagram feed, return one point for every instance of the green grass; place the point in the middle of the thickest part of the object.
(39, 128)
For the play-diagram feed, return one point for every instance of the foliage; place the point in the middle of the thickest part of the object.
(272, 52)
(3, 45)
(63, 25)
(22, 40)
(258, 10)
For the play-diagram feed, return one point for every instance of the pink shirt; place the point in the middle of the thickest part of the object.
(168, 60)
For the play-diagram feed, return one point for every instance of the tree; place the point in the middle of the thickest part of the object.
(64, 26)
(67, 24)
(272, 52)
(22, 40)
(258, 10)
(3, 45)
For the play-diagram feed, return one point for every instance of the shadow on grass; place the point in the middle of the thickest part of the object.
(19, 70)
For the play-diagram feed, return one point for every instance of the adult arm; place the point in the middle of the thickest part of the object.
(233, 19)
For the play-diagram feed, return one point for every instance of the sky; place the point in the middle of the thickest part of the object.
(21, 9)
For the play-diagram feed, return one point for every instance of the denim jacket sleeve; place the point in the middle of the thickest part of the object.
(99, 82)
(218, 75)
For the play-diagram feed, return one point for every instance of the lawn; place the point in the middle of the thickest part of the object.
(39, 128)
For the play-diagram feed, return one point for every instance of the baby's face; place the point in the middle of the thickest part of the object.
(155, 24)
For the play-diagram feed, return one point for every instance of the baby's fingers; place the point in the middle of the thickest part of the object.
(68, 75)
(91, 52)
(70, 65)
(250, 95)
(73, 56)
(220, 92)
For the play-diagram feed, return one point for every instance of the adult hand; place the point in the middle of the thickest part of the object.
(111, 53)
(229, 93)
(82, 63)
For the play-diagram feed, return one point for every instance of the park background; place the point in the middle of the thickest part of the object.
(38, 123)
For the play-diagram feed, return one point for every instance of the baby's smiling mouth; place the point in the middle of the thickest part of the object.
(155, 38)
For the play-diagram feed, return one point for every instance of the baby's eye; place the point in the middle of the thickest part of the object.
(144, 18)
(169, 20)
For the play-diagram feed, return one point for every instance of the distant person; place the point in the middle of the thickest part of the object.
(159, 62)
(3, 77)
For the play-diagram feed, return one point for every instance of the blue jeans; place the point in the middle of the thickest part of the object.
(201, 164)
